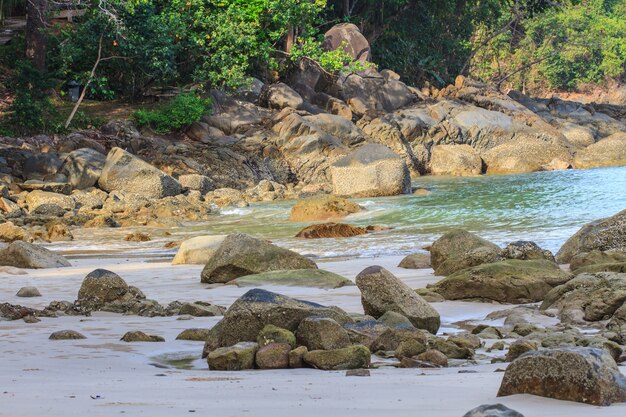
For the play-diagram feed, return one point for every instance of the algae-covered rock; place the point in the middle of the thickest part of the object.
(272, 334)
(66, 335)
(101, 286)
(233, 358)
(458, 249)
(352, 357)
(321, 333)
(197, 335)
(330, 230)
(273, 356)
(139, 336)
(317, 278)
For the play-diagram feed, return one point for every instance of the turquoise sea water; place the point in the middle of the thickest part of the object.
(546, 207)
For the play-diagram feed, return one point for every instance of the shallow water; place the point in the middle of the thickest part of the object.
(546, 207)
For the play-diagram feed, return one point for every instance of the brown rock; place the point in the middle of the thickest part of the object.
(326, 230)
(273, 356)
(322, 208)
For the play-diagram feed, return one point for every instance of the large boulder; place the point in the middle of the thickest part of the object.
(322, 208)
(241, 255)
(316, 278)
(322, 333)
(596, 260)
(371, 171)
(198, 250)
(604, 234)
(326, 230)
(280, 95)
(586, 375)
(526, 154)
(511, 281)
(83, 167)
(257, 308)
(352, 357)
(101, 286)
(588, 297)
(457, 160)
(458, 249)
(127, 173)
(608, 152)
(348, 37)
(381, 291)
(25, 255)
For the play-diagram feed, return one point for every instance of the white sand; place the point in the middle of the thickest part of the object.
(39, 377)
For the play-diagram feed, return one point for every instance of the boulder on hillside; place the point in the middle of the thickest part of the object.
(458, 249)
(316, 278)
(327, 230)
(241, 255)
(279, 96)
(83, 167)
(511, 281)
(526, 154)
(257, 308)
(588, 297)
(456, 160)
(25, 255)
(604, 234)
(127, 173)
(327, 207)
(586, 375)
(382, 292)
(198, 250)
(371, 171)
(608, 152)
(348, 37)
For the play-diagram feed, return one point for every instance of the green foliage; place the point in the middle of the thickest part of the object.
(180, 112)
(31, 110)
(561, 48)
(333, 62)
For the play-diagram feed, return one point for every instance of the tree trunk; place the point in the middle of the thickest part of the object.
(36, 32)
(290, 39)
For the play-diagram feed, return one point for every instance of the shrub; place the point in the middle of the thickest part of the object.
(182, 111)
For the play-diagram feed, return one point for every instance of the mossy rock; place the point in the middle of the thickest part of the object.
(196, 335)
(315, 278)
(273, 334)
(352, 357)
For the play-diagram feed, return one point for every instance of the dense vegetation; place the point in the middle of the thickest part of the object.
(123, 49)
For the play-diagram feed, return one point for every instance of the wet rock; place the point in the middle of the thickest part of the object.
(518, 348)
(435, 357)
(511, 281)
(196, 335)
(28, 292)
(316, 278)
(458, 249)
(322, 208)
(353, 357)
(371, 171)
(492, 410)
(296, 357)
(198, 250)
(321, 333)
(273, 356)
(374, 335)
(251, 312)
(25, 255)
(101, 286)
(233, 358)
(604, 234)
(608, 152)
(201, 309)
(328, 230)
(456, 160)
(525, 250)
(450, 349)
(66, 335)
(272, 334)
(591, 297)
(139, 336)
(137, 237)
(240, 255)
(9, 232)
(409, 348)
(16, 312)
(382, 292)
(393, 319)
(83, 167)
(415, 261)
(126, 173)
(585, 375)
(468, 340)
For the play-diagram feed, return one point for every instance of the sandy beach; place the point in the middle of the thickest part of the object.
(103, 376)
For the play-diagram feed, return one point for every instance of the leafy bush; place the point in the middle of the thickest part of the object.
(182, 111)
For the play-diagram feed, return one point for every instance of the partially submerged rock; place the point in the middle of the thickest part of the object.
(101, 286)
(604, 234)
(382, 292)
(328, 230)
(511, 281)
(241, 255)
(139, 336)
(322, 208)
(584, 375)
(458, 249)
(196, 335)
(66, 335)
(25, 255)
(28, 292)
(317, 278)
